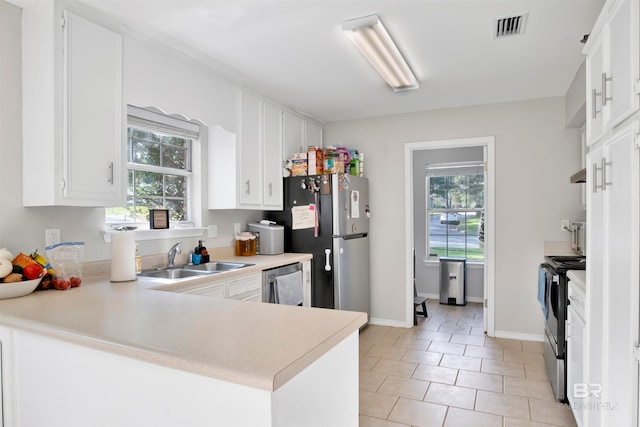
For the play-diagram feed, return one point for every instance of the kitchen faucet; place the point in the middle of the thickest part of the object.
(171, 255)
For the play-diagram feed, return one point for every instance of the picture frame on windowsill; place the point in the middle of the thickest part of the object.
(158, 219)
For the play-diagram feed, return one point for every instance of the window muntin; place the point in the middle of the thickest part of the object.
(158, 176)
(455, 206)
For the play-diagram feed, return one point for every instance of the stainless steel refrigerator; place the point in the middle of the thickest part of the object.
(328, 216)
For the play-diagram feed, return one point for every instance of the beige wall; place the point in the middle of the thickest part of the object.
(535, 155)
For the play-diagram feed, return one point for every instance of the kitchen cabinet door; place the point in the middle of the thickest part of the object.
(294, 134)
(73, 115)
(594, 300)
(211, 290)
(594, 67)
(250, 151)
(621, 286)
(622, 71)
(612, 277)
(313, 134)
(246, 288)
(272, 159)
(575, 355)
(612, 68)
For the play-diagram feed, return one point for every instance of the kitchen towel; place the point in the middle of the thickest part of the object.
(289, 289)
(543, 290)
(123, 256)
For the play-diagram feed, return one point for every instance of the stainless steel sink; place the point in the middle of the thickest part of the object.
(185, 271)
(217, 266)
(174, 273)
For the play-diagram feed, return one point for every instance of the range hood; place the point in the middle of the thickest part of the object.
(580, 176)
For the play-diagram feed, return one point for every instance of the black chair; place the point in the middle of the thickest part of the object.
(418, 301)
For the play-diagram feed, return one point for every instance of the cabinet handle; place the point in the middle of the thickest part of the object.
(270, 189)
(604, 173)
(603, 169)
(605, 98)
(110, 174)
(594, 104)
(247, 184)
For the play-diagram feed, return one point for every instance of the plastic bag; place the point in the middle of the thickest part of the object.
(66, 260)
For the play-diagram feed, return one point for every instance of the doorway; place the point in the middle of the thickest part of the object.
(485, 145)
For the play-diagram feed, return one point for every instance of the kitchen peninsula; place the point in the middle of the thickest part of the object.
(141, 353)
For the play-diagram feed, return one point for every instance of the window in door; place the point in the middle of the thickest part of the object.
(159, 151)
(455, 210)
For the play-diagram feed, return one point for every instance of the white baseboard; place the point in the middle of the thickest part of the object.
(436, 297)
(387, 322)
(519, 336)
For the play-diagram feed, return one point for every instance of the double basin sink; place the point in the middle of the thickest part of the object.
(186, 271)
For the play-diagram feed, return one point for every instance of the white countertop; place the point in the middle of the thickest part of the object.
(558, 249)
(254, 344)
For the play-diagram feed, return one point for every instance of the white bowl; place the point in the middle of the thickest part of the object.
(18, 289)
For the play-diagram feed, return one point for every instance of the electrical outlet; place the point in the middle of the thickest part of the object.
(564, 225)
(237, 228)
(52, 236)
(213, 231)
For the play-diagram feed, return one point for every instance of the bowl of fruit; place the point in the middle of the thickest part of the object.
(20, 275)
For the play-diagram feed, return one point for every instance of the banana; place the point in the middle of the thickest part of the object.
(43, 262)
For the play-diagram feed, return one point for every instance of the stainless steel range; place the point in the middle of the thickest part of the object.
(554, 274)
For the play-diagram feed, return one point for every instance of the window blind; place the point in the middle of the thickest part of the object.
(161, 123)
(455, 169)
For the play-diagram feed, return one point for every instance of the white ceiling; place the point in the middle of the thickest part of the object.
(295, 53)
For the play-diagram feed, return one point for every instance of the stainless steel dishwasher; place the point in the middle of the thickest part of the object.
(283, 285)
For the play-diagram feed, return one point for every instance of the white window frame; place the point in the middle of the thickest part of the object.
(156, 120)
(450, 169)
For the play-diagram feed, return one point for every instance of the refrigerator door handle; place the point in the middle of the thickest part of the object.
(327, 264)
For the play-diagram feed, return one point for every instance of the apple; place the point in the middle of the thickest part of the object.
(33, 271)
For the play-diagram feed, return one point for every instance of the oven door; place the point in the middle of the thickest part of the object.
(553, 305)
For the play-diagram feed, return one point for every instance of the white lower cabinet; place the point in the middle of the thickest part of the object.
(211, 290)
(247, 288)
(64, 384)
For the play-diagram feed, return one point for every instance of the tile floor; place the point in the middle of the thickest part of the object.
(446, 372)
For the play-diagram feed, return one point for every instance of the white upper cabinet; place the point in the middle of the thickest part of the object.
(299, 134)
(272, 132)
(246, 173)
(293, 134)
(250, 151)
(612, 68)
(313, 134)
(73, 135)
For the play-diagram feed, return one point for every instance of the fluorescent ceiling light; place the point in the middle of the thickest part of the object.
(373, 40)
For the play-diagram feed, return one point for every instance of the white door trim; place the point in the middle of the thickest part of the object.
(489, 225)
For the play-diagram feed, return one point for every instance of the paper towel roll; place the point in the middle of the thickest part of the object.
(123, 256)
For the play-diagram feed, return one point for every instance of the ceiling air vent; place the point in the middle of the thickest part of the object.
(509, 25)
